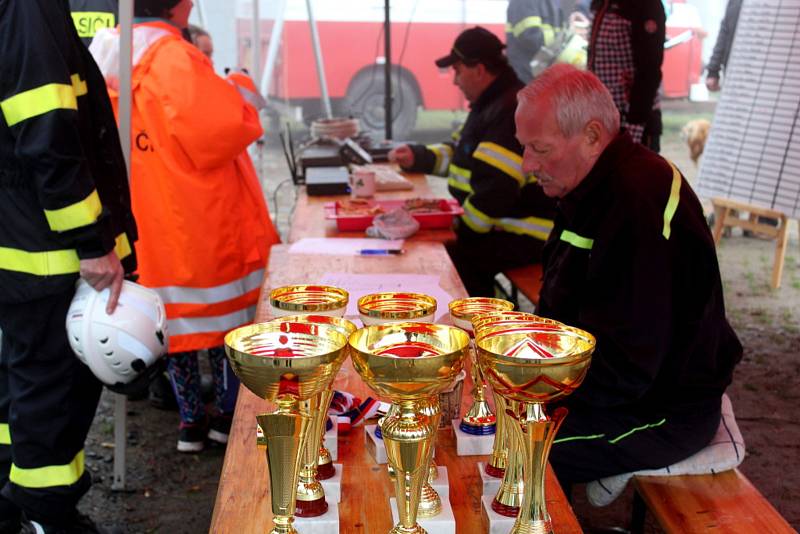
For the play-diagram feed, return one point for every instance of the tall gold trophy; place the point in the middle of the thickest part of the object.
(410, 364)
(479, 420)
(533, 364)
(288, 364)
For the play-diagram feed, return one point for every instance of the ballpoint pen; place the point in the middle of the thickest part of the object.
(380, 251)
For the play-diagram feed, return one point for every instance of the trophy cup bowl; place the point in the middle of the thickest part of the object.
(410, 364)
(530, 365)
(287, 363)
(317, 463)
(305, 299)
(479, 420)
(381, 308)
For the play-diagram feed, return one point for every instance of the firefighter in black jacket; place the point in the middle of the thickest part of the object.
(65, 212)
(92, 15)
(630, 260)
(530, 25)
(506, 217)
(626, 49)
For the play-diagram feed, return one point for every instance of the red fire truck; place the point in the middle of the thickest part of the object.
(351, 43)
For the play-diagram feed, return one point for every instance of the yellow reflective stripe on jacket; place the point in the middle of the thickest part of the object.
(531, 226)
(88, 22)
(576, 240)
(501, 158)
(81, 213)
(443, 153)
(49, 476)
(5, 434)
(476, 219)
(43, 99)
(52, 262)
(459, 178)
(532, 22)
(78, 85)
(672, 203)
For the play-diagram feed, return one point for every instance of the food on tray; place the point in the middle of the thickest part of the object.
(358, 207)
(422, 205)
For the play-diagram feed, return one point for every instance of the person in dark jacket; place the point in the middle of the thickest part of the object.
(65, 212)
(626, 49)
(630, 260)
(506, 218)
(91, 15)
(530, 24)
(722, 48)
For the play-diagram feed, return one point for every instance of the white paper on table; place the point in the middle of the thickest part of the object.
(358, 285)
(342, 246)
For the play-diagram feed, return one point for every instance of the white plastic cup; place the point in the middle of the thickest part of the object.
(362, 183)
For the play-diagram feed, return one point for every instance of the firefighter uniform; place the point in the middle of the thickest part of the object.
(92, 15)
(631, 260)
(530, 25)
(63, 198)
(506, 217)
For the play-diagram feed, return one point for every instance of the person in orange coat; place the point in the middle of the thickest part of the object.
(204, 230)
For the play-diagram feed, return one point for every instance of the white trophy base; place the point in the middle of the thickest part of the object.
(441, 484)
(469, 445)
(323, 524)
(333, 485)
(491, 485)
(443, 523)
(374, 445)
(498, 524)
(331, 440)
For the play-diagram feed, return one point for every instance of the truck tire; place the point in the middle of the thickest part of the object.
(365, 100)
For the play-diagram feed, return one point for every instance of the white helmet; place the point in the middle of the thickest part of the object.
(121, 347)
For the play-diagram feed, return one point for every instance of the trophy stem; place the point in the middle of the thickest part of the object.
(325, 469)
(538, 431)
(479, 419)
(430, 504)
(499, 459)
(286, 432)
(409, 435)
(310, 494)
(509, 497)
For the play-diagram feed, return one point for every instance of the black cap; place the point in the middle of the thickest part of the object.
(473, 46)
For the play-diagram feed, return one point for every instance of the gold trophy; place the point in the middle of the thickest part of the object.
(317, 463)
(323, 302)
(410, 364)
(530, 365)
(479, 420)
(288, 364)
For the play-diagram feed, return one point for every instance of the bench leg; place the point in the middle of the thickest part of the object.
(720, 213)
(780, 252)
(638, 514)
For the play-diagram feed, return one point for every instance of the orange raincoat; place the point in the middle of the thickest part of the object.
(204, 229)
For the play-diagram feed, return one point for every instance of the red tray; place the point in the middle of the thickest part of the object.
(443, 218)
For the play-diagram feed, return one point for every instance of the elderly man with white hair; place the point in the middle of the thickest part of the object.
(630, 260)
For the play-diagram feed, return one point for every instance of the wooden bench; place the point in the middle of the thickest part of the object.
(526, 280)
(723, 502)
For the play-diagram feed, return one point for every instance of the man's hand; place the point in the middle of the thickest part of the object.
(712, 82)
(104, 272)
(402, 155)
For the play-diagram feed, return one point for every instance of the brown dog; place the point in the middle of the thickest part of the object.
(695, 133)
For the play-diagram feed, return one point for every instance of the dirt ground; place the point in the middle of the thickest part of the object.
(174, 493)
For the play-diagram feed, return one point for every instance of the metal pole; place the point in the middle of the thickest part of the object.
(201, 13)
(125, 106)
(387, 68)
(323, 84)
(256, 44)
(272, 49)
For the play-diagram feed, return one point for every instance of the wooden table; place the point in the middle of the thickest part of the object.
(309, 213)
(243, 502)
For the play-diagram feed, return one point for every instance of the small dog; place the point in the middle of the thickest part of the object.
(695, 133)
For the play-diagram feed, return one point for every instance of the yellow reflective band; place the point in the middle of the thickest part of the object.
(49, 476)
(78, 85)
(577, 241)
(122, 246)
(5, 434)
(476, 219)
(672, 203)
(38, 101)
(456, 135)
(501, 158)
(531, 226)
(88, 22)
(443, 153)
(48, 263)
(459, 178)
(82, 213)
(637, 429)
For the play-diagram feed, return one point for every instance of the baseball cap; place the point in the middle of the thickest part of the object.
(472, 46)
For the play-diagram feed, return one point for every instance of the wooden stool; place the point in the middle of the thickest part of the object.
(723, 217)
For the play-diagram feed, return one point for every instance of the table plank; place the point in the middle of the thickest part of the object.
(243, 505)
(309, 213)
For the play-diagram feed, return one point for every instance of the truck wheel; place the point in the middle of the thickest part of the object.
(365, 100)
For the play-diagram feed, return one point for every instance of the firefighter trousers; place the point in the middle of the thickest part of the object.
(47, 402)
(594, 443)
